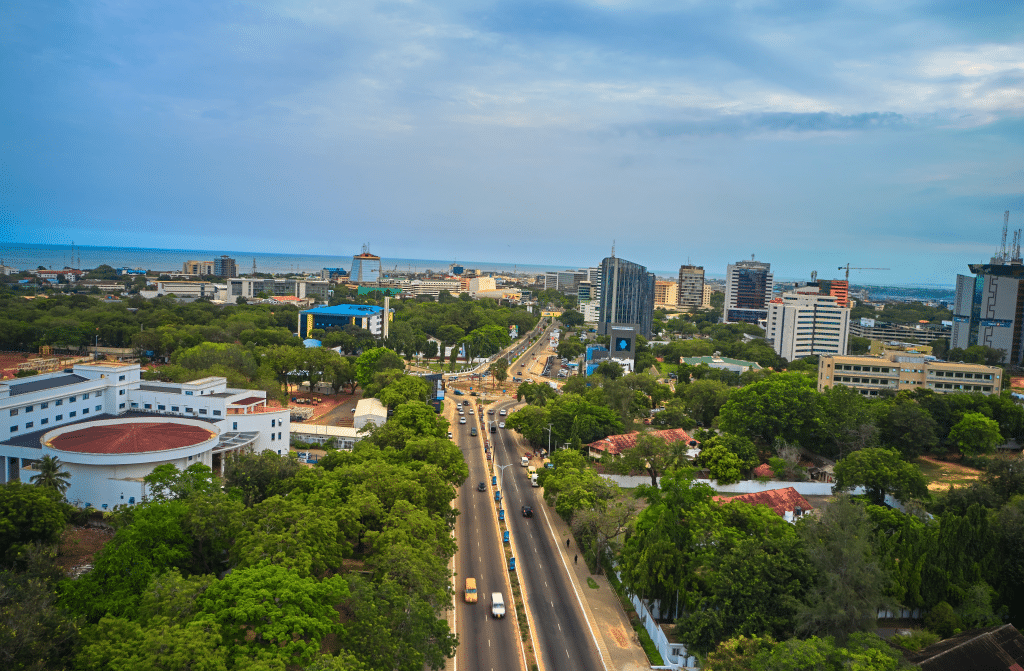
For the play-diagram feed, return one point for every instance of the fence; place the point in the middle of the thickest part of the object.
(674, 655)
(744, 487)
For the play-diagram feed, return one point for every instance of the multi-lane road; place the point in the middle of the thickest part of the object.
(559, 628)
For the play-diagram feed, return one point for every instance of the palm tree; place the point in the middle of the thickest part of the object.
(51, 475)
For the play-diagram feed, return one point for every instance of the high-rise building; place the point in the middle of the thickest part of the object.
(748, 288)
(665, 292)
(225, 267)
(989, 310)
(690, 290)
(805, 322)
(197, 268)
(366, 268)
(627, 296)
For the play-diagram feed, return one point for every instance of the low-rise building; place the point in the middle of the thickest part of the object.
(721, 362)
(109, 428)
(345, 436)
(896, 371)
(369, 411)
(369, 317)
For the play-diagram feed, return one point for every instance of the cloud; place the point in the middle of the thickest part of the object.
(773, 122)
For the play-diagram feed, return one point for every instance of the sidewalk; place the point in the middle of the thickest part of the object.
(615, 636)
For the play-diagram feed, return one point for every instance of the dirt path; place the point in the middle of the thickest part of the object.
(944, 474)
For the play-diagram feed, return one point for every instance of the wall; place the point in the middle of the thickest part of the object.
(680, 661)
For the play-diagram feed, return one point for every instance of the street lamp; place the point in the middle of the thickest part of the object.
(549, 440)
(501, 485)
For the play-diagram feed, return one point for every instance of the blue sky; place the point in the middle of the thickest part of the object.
(810, 134)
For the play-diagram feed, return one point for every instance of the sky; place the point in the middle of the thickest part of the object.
(810, 134)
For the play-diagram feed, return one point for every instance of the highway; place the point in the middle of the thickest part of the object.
(563, 637)
(485, 643)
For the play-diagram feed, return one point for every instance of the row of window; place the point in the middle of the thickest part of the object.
(45, 404)
(59, 418)
(863, 380)
(959, 387)
(961, 375)
(175, 408)
(866, 369)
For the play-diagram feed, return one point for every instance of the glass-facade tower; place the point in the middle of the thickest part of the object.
(627, 296)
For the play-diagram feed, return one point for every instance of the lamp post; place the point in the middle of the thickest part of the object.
(549, 440)
(501, 485)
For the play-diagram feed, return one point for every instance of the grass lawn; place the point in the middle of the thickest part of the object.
(943, 474)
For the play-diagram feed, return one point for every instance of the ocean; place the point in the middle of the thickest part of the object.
(31, 256)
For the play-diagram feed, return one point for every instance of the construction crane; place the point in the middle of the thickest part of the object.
(849, 268)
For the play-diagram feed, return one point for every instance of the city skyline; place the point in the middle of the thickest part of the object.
(882, 136)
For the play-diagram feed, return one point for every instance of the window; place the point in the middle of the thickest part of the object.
(44, 420)
(58, 418)
(14, 412)
(188, 393)
(44, 406)
(121, 406)
(202, 411)
(190, 458)
(85, 411)
(85, 397)
(14, 428)
(72, 413)
(28, 408)
(59, 401)
(271, 437)
(148, 406)
(72, 399)
(120, 378)
(217, 412)
(273, 423)
(135, 405)
(174, 408)
(279, 435)
(120, 392)
(161, 407)
(189, 410)
(234, 426)
(29, 425)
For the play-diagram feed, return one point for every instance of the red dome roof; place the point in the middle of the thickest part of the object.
(130, 437)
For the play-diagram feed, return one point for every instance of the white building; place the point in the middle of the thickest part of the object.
(478, 284)
(434, 287)
(802, 323)
(110, 428)
(346, 436)
(186, 289)
(369, 411)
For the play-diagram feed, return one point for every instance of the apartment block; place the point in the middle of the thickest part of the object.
(665, 293)
(896, 371)
(690, 287)
(804, 322)
(748, 288)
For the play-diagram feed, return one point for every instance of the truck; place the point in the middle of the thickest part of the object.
(494, 427)
(497, 605)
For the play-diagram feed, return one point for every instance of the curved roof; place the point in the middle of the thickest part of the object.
(130, 438)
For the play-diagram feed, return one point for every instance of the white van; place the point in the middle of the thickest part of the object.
(525, 462)
(533, 481)
(497, 604)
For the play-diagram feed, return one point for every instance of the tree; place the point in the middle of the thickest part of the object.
(257, 476)
(881, 472)
(531, 422)
(723, 465)
(849, 583)
(167, 482)
(906, 426)
(599, 528)
(651, 454)
(499, 370)
(117, 644)
(51, 476)
(34, 632)
(609, 370)
(703, 399)
(975, 434)
(270, 613)
(376, 360)
(571, 318)
(570, 348)
(28, 514)
(673, 416)
(783, 405)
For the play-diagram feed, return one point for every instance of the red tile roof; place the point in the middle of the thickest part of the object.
(131, 438)
(249, 400)
(780, 500)
(764, 470)
(625, 441)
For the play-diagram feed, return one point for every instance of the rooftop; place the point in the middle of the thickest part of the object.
(779, 500)
(346, 310)
(131, 437)
(999, 647)
(625, 441)
(709, 360)
(48, 383)
(32, 439)
(252, 400)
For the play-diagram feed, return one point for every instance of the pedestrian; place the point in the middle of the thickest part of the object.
(576, 559)
(567, 541)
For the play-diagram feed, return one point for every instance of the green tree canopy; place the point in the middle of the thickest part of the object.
(880, 472)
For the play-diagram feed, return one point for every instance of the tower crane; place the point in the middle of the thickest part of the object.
(848, 268)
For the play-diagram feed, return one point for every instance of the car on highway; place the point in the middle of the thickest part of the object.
(449, 435)
(482, 487)
(490, 411)
(462, 420)
(459, 392)
(503, 412)
(527, 511)
(472, 431)
(470, 411)
(470, 590)
(497, 605)
(501, 425)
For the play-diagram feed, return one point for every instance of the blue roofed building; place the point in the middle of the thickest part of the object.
(369, 317)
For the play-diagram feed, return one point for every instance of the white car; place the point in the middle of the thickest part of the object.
(501, 425)
(503, 412)
(462, 420)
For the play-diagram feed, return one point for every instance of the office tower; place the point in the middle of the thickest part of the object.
(748, 288)
(690, 291)
(989, 310)
(806, 322)
(366, 268)
(627, 296)
(225, 267)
